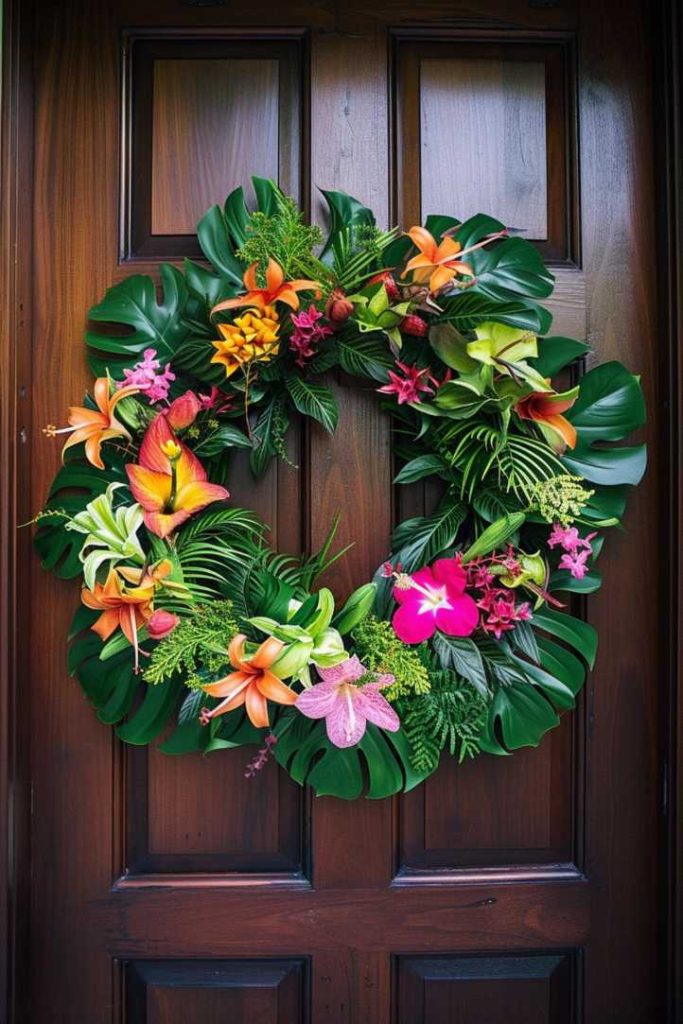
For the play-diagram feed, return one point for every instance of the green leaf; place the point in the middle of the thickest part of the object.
(149, 324)
(420, 467)
(76, 484)
(510, 268)
(494, 535)
(152, 715)
(364, 355)
(555, 353)
(521, 714)
(225, 436)
(314, 399)
(476, 228)
(263, 446)
(344, 212)
(463, 656)
(610, 404)
(469, 309)
(417, 541)
(213, 233)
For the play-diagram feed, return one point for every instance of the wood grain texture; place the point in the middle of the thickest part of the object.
(493, 990)
(461, 898)
(215, 123)
(483, 141)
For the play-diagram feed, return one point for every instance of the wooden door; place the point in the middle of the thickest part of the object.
(517, 891)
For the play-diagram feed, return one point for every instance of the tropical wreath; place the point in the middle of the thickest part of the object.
(193, 629)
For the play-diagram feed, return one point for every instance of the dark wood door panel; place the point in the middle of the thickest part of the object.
(486, 884)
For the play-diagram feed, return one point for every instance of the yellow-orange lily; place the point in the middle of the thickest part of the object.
(169, 482)
(436, 262)
(545, 408)
(95, 425)
(276, 289)
(123, 607)
(252, 683)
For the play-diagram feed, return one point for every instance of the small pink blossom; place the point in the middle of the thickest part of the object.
(146, 376)
(217, 400)
(577, 549)
(411, 386)
(259, 762)
(346, 706)
(389, 570)
(308, 333)
(434, 598)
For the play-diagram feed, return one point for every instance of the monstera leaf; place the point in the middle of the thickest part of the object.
(508, 269)
(524, 710)
(75, 486)
(132, 304)
(468, 309)
(378, 767)
(344, 212)
(609, 407)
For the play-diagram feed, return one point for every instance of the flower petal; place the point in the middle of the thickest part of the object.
(459, 620)
(229, 686)
(257, 707)
(346, 723)
(318, 701)
(162, 524)
(424, 241)
(376, 708)
(150, 489)
(346, 671)
(412, 626)
(424, 578)
(267, 653)
(451, 572)
(274, 689)
(151, 455)
(274, 276)
(198, 495)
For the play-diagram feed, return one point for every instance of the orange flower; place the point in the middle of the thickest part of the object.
(545, 408)
(253, 338)
(251, 683)
(94, 425)
(276, 290)
(436, 264)
(124, 607)
(170, 482)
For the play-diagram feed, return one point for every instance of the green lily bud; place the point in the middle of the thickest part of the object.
(495, 535)
(293, 659)
(324, 613)
(329, 649)
(356, 609)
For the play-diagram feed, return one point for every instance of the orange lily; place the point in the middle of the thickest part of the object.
(436, 263)
(545, 408)
(252, 683)
(169, 482)
(95, 425)
(276, 290)
(123, 607)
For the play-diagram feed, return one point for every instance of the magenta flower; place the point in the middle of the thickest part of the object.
(308, 333)
(216, 400)
(346, 706)
(146, 376)
(411, 386)
(434, 598)
(577, 550)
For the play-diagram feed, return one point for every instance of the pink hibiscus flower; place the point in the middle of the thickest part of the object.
(347, 707)
(434, 598)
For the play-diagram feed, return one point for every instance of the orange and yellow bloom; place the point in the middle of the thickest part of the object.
(95, 425)
(252, 683)
(276, 289)
(545, 408)
(252, 338)
(437, 263)
(169, 482)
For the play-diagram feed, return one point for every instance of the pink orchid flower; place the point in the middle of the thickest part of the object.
(434, 598)
(347, 707)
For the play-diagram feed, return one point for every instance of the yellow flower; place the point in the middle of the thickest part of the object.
(252, 338)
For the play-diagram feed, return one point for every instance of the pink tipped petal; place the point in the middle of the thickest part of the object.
(410, 625)
(182, 412)
(318, 701)
(149, 488)
(459, 620)
(151, 455)
(162, 524)
(376, 709)
(345, 672)
(345, 723)
(451, 572)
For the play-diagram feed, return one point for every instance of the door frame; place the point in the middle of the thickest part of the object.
(16, 421)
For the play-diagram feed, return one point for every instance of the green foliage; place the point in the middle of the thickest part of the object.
(281, 235)
(132, 305)
(197, 649)
(311, 398)
(560, 499)
(450, 716)
(380, 650)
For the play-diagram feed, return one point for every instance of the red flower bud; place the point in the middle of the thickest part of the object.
(338, 307)
(413, 324)
(183, 411)
(161, 624)
(386, 278)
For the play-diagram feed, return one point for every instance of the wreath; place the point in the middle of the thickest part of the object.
(192, 629)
